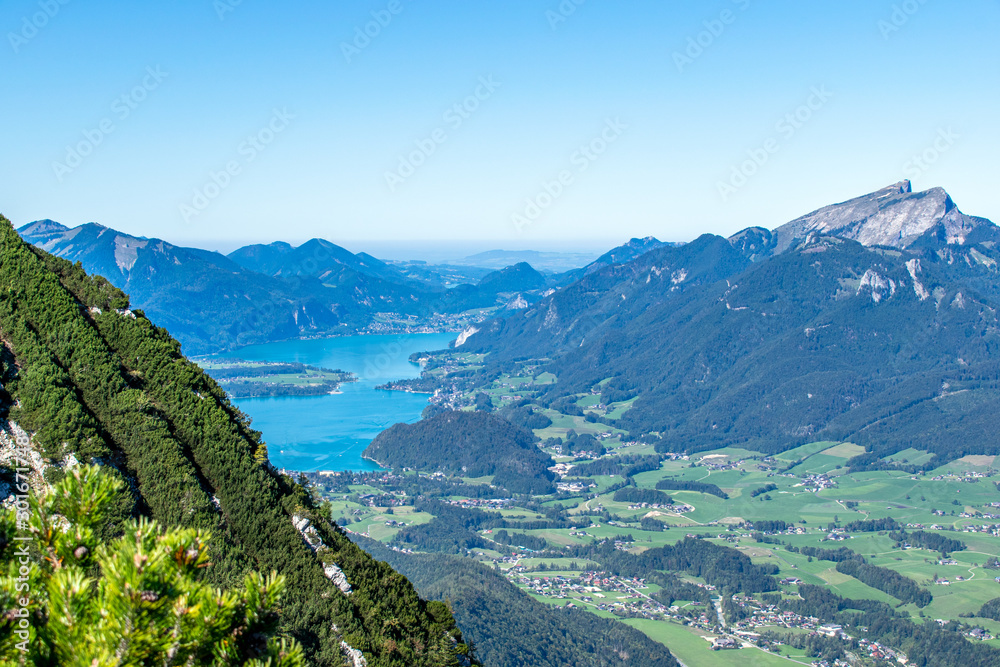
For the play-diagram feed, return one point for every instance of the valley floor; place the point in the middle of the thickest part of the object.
(813, 503)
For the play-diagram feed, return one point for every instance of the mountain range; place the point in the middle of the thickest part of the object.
(260, 293)
(876, 315)
(874, 320)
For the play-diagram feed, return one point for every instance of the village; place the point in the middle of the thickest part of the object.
(626, 598)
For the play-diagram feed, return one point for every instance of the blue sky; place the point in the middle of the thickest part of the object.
(200, 121)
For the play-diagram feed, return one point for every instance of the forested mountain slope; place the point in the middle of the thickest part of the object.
(608, 299)
(467, 444)
(727, 343)
(94, 381)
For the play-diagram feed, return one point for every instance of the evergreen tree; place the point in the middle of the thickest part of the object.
(139, 599)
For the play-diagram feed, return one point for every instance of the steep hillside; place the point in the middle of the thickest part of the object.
(607, 299)
(90, 380)
(518, 278)
(829, 341)
(468, 444)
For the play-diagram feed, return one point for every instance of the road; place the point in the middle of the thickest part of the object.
(718, 610)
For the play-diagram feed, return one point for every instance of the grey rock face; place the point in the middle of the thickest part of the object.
(315, 542)
(893, 216)
(357, 657)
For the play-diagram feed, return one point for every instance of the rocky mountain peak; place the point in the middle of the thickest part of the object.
(894, 216)
(45, 230)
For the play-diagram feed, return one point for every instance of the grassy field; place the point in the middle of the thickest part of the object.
(691, 647)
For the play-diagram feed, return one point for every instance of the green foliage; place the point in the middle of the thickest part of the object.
(991, 609)
(886, 580)
(454, 530)
(770, 525)
(834, 555)
(932, 541)
(767, 488)
(526, 418)
(626, 465)
(584, 443)
(103, 384)
(872, 525)
(670, 484)
(728, 569)
(521, 540)
(137, 600)
(631, 494)
(468, 444)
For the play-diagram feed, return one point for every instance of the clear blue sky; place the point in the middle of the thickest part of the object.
(673, 129)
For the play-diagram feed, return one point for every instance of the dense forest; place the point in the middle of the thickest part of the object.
(91, 379)
(455, 530)
(888, 581)
(467, 444)
(631, 494)
(684, 485)
(931, 541)
(872, 525)
(991, 609)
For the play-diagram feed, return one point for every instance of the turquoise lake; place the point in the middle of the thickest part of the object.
(330, 432)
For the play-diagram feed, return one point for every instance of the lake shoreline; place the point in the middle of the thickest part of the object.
(331, 431)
